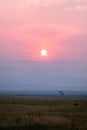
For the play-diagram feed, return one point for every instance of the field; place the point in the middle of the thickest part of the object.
(43, 113)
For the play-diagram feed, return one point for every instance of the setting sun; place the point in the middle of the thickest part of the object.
(43, 52)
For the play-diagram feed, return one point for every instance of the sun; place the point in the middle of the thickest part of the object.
(43, 52)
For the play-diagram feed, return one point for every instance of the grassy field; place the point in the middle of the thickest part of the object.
(43, 113)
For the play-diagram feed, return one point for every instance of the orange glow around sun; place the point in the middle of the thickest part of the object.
(44, 52)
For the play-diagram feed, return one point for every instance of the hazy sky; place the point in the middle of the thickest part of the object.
(60, 27)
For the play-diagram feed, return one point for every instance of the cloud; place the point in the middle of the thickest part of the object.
(21, 6)
(77, 8)
(22, 12)
(24, 27)
(80, 8)
(31, 2)
(78, 5)
(25, 42)
(24, 3)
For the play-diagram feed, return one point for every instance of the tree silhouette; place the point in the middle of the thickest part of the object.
(61, 93)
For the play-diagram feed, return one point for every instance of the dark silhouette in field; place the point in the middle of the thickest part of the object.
(61, 93)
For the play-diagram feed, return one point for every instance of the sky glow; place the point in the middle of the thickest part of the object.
(59, 26)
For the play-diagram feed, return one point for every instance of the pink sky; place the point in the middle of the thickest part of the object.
(27, 26)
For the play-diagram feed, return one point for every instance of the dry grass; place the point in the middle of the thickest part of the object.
(43, 113)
